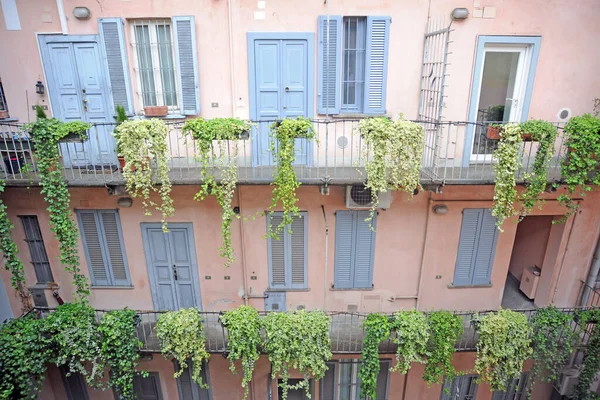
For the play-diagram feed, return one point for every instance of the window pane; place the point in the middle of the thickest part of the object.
(345, 380)
(144, 53)
(167, 70)
(37, 250)
(353, 63)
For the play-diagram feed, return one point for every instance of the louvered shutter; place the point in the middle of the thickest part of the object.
(467, 246)
(486, 249)
(92, 242)
(117, 262)
(344, 250)
(112, 39)
(378, 37)
(329, 64)
(147, 388)
(187, 388)
(187, 63)
(364, 250)
(382, 380)
(328, 386)
(277, 254)
(298, 252)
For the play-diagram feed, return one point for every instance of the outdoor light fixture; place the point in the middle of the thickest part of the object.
(125, 202)
(82, 12)
(39, 87)
(440, 209)
(460, 13)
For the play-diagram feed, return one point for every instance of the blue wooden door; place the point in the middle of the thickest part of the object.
(281, 86)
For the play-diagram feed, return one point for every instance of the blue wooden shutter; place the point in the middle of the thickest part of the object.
(488, 237)
(467, 246)
(187, 63)
(328, 383)
(329, 64)
(112, 39)
(114, 247)
(344, 250)
(276, 250)
(364, 250)
(297, 254)
(378, 37)
(94, 248)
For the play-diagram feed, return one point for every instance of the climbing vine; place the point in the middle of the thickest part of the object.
(504, 345)
(444, 328)
(45, 134)
(298, 340)
(411, 337)
(140, 141)
(377, 328)
(224, 131)
(243, 326)
(181, 336)
(591, 359)
(285, 133)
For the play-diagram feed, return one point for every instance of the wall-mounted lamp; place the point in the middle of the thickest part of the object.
(39, 87)
(440, 209)
(460, 13)
(82, 13)
(125, 202)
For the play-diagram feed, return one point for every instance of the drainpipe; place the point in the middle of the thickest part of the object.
(591, 279)
(326, 259)
(64, 27)
(242, 245)
(231, 61)
(429, 203)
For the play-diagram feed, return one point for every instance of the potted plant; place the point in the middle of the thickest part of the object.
(494, 131)
(4, 114)
(156, 111)
(121, 116)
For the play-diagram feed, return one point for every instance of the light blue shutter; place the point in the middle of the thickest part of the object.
(467, 246)
(344, 250)
(378, 37)
(112, 39)
(297, 245)
(276, 250)
(187, 64)
(364, 250)
(114, 247)
(488, 237)
(329, 64)
(94, 249)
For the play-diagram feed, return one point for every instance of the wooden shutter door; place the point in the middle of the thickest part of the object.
(276, 254)
(327, 389)
(187, 63)
(297, 252)
(112, 39)
(147, 388)
(115, 250)
(92, 241)
(364, 250)
(329, 64)
(467, 246)
(488, 238)
(344, 250)
(382, 380)
(378, 37)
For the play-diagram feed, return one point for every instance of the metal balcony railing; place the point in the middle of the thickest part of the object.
(336, 156)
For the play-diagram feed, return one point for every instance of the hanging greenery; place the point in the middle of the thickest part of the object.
(141, 141)
(397, 151)
(506, 165)
(411, 337)
(45, 134)
(444, 328)
(243, 326)
(298, 340)
(24, 353)
(285, 133)
(226, 132)
(591, 360)
(377, 327)
(580, 166)
(504, 345)
(120, 347)
(181, 336)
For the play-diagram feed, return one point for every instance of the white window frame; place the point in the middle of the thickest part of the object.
(359, 97)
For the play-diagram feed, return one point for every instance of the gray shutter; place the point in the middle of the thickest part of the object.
(187, 388)
(484, 260)
(467, 246)
(115, 250)
(364, 250)
(382, 380)
(37, 249)
(344, 250)
(328, 386)
(74, 385)
(276, 255)
(298, 260)
(112, 39)
(329, 64)
(187, 64)
(92, 243)
(147, 388)
(378, 37)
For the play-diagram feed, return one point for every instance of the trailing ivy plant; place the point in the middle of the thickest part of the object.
(411, 336)
(224, 131)
(397, 150)
(24, 353)
(45, 134)
(591, 360)
(298, 340)
(444, 328)
(120, 347)
(12, 263)
(181, 336)
(243, 326)
(504, 345)
(506, 165)
(140, 141)
(579, 169)
(77, 340)
(285, 133)
(377, 327)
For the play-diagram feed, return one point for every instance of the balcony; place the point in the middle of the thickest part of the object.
(337, 156)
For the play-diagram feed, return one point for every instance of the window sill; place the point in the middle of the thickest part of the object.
(358, 115)
(351, 289)
(113, 287)
(452, 286)
(168, 116)
(43, 286)
(9, 119)
(286, 290)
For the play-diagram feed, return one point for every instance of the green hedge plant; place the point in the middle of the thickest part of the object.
(591, 360)
(506, 165)
(411, 336)
(377, 328)
(444, 330)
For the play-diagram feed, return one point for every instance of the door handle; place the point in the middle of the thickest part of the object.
(85, 103)
(287, 88)
(174, 272)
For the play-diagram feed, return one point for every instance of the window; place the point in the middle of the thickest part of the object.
(104, 249)
(354, 250)
(148, 388)
(153, 43)
(341, 380)
(187, 388)
(476, 248)
(353, 54)
(516, 389)
(288, 255)
(460, 388)
(75, 386)
(37, 250)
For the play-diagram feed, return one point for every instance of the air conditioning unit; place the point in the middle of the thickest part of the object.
(568, 381)
(359, 198)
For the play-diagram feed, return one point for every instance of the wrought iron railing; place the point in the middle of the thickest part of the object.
(336, 156)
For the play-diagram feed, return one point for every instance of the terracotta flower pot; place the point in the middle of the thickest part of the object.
(133, 168)
(4, 114)
(493, 132)
(156, 111)
(527, 137)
